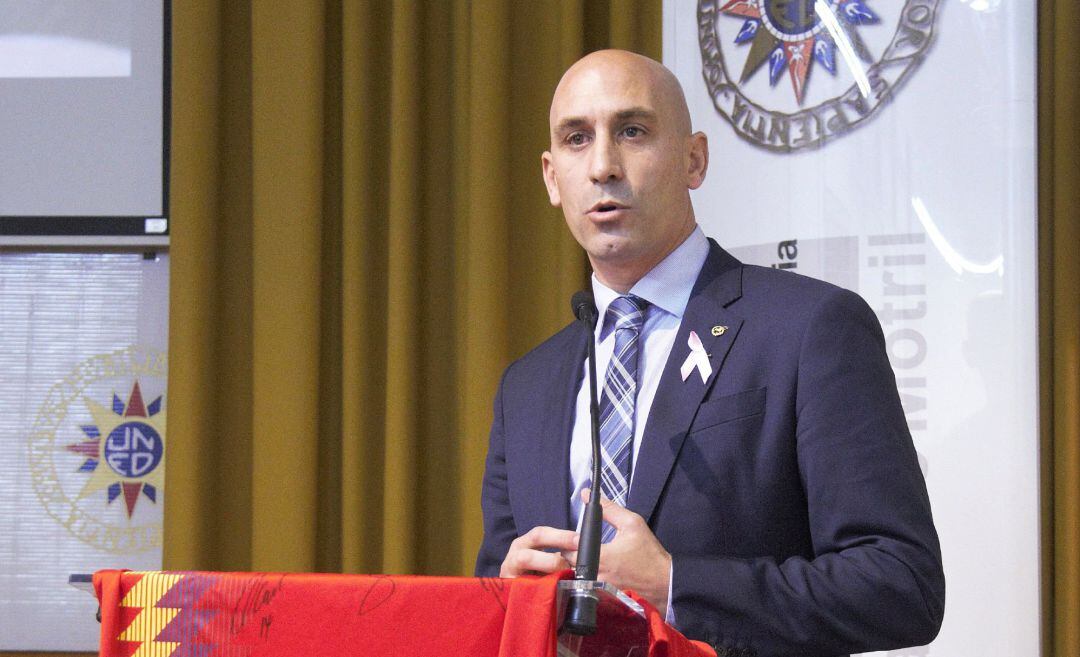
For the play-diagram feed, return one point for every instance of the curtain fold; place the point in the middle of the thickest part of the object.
(361, 242)
(1059, 322)
(286, 164)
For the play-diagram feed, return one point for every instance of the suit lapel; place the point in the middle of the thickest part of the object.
(676, 402)
(551, 449)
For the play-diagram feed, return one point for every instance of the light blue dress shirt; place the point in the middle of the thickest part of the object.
(667, 288)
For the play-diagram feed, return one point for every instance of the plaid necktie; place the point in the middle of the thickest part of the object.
(627, 313)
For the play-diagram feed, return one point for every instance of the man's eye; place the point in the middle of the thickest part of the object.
(576, 139)
(632, 131)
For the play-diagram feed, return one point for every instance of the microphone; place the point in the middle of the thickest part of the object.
(584, 308)
(581, 607)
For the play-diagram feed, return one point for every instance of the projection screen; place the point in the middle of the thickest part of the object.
(83, 87)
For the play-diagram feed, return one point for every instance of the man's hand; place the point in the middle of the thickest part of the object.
(634, 559)
(527, 554)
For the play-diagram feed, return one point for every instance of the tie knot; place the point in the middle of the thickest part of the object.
(627, 312)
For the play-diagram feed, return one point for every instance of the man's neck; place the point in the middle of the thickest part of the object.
(619, 279)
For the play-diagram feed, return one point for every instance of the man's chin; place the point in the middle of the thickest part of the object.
(611, 251)
(615, 256)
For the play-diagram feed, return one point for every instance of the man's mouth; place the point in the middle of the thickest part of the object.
(606, 209)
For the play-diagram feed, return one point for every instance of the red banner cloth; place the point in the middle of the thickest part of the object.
(202, 614)
(666, 641)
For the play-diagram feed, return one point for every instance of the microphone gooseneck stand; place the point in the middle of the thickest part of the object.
(581, 607)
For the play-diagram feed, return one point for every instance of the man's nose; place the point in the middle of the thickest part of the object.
(606, 160)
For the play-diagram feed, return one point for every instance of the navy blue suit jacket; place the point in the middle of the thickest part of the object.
(786, 487)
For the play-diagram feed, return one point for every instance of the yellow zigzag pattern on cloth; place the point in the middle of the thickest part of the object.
(149, 623)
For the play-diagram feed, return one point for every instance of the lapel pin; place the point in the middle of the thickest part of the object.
(697, 359)
(718, 330)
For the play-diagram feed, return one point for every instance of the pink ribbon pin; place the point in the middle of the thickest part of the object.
(697, 359)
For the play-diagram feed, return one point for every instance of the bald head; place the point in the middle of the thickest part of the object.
(622, 162)
(621, 68)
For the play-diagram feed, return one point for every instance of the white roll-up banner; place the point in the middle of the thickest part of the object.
(889, 146)
(83, 339)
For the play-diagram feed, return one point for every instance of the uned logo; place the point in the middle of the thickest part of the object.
(97, 450)
(133, 449)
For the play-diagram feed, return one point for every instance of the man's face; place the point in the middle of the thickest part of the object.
(621, 164)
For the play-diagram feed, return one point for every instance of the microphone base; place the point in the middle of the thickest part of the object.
(581, 613)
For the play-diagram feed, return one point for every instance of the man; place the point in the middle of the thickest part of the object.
(775, 504)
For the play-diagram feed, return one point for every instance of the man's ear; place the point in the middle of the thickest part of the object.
(698, 160)
(550, 181)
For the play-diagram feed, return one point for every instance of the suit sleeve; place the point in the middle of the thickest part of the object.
(499, 528)
(875, 580)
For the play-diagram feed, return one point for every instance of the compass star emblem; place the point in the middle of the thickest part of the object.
(124, 447)
(792, 34)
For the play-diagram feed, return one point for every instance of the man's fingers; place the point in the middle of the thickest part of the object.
(571, 558)
(525, 561)
(615, 515)
(547, 538)
(539, 551)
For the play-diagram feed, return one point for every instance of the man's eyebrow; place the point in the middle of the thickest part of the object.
(568, 124)
(575, 122)
(635, 113)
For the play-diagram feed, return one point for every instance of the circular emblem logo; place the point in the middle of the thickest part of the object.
(97, 450)
(133, 449)
(791, 75)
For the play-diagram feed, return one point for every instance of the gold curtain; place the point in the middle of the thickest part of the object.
(1059, 321)
(361, 242)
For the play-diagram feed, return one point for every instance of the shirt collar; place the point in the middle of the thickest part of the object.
(667, 286)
